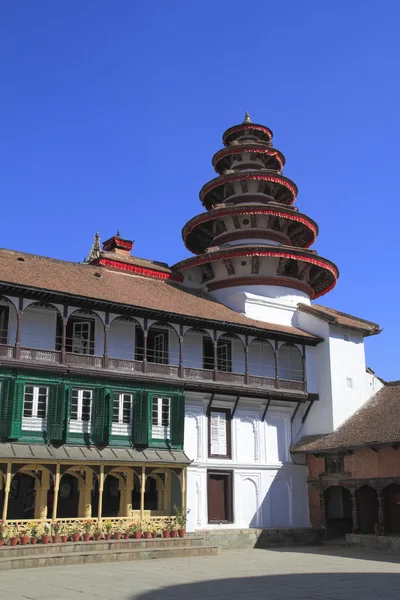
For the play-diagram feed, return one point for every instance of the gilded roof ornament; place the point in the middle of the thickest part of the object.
(95, 250)
(247, 118)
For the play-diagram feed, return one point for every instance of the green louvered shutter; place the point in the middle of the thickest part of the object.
(100, 414)
(56, 412)
(6, 405)
(140, 425)
(16, 425)
(177, 420)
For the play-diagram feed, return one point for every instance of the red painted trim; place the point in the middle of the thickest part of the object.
(248, 211)
(116, 264)
(219, 181)
(116, 242)
(254, 280)
(239, 149)
(245, 126)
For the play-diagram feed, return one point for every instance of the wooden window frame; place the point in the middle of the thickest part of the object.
(79, 419)
(334, 460)
(35, 401)
(70, 335)
(159, 399)
(151, 352)
(4, 323)
(229, 475)
(228, 455)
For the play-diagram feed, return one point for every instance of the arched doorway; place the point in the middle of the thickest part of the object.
(368, 508)
(111, 496)
(391, 499)
(338, 516)
(68, 497)
(21, 501)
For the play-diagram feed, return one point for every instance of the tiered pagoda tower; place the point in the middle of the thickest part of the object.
(251, 239)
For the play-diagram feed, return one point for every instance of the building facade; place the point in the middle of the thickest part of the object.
(128, 387)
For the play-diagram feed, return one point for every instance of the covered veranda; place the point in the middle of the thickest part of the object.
(45, 483)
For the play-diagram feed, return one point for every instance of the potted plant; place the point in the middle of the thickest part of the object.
(174, 528)
(24, 536)
(12, 535)
(146, 530)
(108, 529)
(87, 529)
(46, 534)
(166, 529)
(118, 531)
(64, 535)
(55, 528)
(136, 529)
(127, 531)
(3, 532)
(377, 529)
(97, 531)
(75, 531)
(155, 530)
(34, 532)
(181, 518)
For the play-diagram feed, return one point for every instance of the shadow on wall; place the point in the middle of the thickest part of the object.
(354, 586)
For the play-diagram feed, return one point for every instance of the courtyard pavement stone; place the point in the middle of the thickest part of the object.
(319, 573)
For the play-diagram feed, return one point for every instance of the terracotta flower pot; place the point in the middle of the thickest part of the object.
(165, 534)
(174, 533)
(33, 540)
(64, 538)
(181, 532)
(86, 537)
(76, 537)
(23, 540)
(45, 539)
(147, 534)
(107, 536)
(154, 534)
(137, 535)
(117, 535)
(1, 542)
(55, 539)
(13, 541)
(96, 537)
(127, 535)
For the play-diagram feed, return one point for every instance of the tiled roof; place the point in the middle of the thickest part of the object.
(114, 286)
(76, 454)
(340, 319)
(376, 423)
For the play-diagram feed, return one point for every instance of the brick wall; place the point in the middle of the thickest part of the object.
(363, 464)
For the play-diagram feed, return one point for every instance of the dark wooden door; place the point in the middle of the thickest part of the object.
(219, 497)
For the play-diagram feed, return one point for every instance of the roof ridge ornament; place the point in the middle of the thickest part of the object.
(247, 118)
(95, 250)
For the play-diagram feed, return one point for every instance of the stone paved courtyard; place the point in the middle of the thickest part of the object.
(283, 574)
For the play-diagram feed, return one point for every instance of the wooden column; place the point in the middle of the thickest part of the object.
(42, 486)
(381, 511)
(101, 488)
(142, 490)
(354, 510)
(304, 368)
(20, 315)
(7, 492)
(56, 490)
(64, 336)
(125, 502)
(246, 359)
(215, 347)
(276, 354)
(145, 334)
(85, 495)
(322, 500)
(181, 368)
(106, 329)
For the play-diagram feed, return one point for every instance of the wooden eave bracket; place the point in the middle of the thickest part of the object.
(210, 404)
(235, 406)
(266, 409)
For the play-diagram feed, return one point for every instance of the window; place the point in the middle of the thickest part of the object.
(290, 363)
(35, 408)
(80, 336)
(224, 354)
(334, 465)
(349, 382)
(4, 311)
(81, 404)
(157, 346)
(161, 419)
(219, 433)
(122, 414)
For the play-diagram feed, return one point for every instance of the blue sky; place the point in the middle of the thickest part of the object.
(110, 113)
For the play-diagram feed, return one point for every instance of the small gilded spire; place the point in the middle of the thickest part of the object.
(118, 233)
(95, 250)
(247, 118)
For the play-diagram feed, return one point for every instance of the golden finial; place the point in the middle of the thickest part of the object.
(247, 118)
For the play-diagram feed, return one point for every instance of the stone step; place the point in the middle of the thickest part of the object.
(112, 555)
(101, 546)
